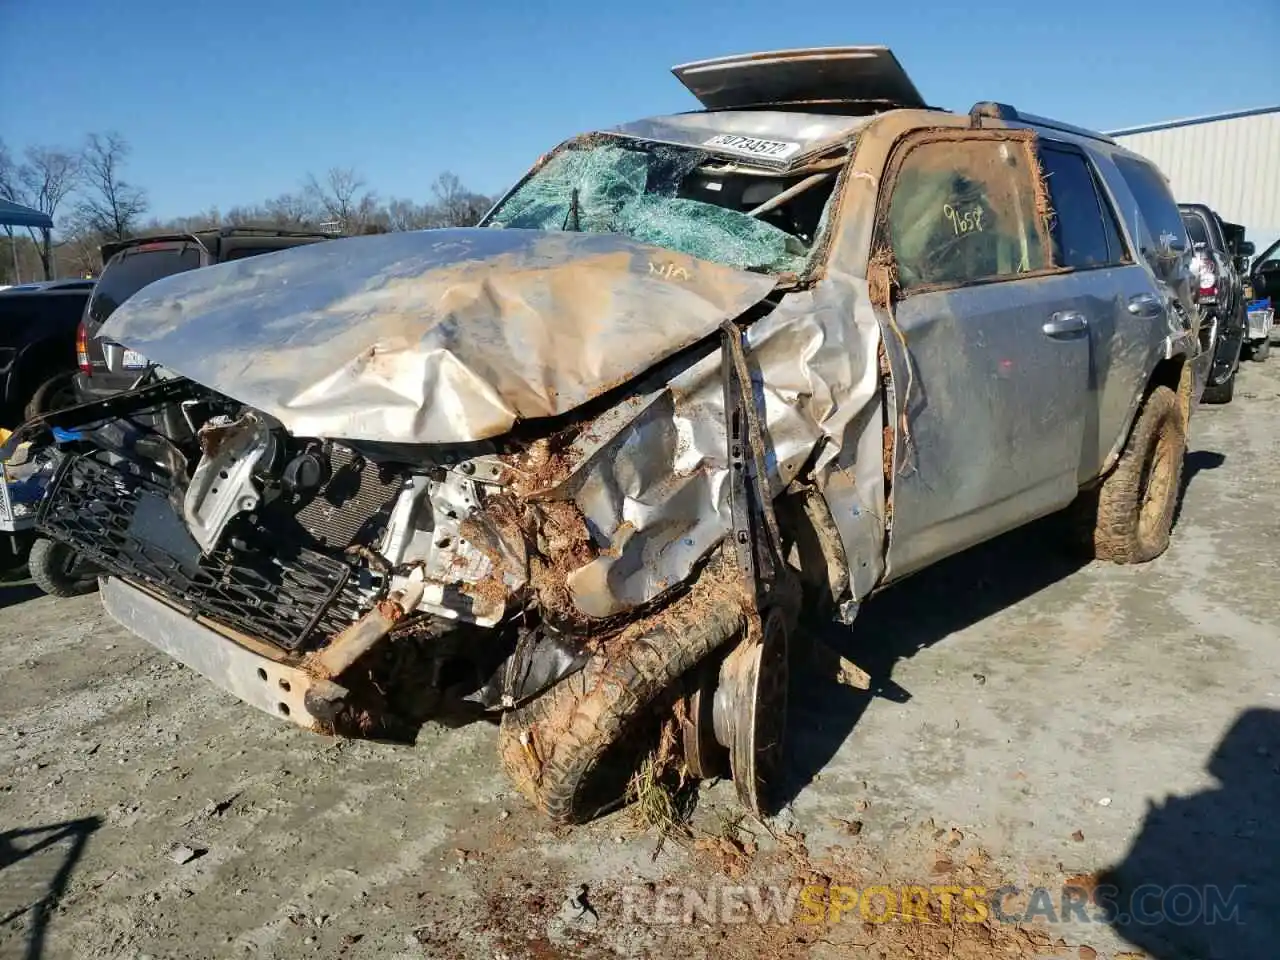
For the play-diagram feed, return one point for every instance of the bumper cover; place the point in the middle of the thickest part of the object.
(1226, 355)
(279, 689)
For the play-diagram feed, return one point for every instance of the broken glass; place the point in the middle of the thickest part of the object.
(640, 191)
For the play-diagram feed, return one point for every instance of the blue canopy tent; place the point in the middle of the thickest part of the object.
(16, 215)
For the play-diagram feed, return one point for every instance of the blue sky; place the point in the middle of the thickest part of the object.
(231, 102)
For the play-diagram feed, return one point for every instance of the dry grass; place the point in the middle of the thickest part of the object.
(661, 794)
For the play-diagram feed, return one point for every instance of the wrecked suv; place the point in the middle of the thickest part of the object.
(581, 469)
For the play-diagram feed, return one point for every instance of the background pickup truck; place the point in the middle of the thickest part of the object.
(38, 324)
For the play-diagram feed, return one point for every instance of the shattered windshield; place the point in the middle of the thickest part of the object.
(677, 198)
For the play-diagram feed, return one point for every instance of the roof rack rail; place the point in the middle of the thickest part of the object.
(1003, 111)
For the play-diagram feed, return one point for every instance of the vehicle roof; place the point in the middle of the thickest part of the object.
(71, 285)
(814, 133)
(109, 250)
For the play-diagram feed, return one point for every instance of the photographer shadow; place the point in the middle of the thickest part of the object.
(1202, 878)
(37, 894)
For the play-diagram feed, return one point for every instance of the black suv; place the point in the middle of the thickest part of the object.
(106, 368)
(1264, 279)
(38, 324)
(1219, 247)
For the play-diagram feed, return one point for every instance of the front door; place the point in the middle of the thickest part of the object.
(988, 344)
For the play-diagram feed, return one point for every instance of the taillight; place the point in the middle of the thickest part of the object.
(1208, 282)
(82, 350)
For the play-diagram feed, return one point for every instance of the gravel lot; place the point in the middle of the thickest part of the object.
(1031, 720)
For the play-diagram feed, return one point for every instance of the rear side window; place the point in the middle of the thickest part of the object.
(963, 211)
(132, 270)
(1196, 228)
(1083, 227)
(1155, 203)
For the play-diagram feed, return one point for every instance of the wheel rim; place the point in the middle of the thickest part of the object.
(1156, 483)
(704, 755)
(757, 677)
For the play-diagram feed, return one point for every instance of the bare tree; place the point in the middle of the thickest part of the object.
(292, 210)
(9, 191)
(109, 204)
(8, 175)
(454, 205)
(342, 197)
(404, 214)
(47, 176)
(81, 249)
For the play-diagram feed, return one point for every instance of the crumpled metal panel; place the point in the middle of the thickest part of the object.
(656, 489)
(440, 336)
(444, 337)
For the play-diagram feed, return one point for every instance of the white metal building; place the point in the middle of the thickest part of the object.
(1230, 161)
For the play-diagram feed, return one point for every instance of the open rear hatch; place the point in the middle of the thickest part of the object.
(814, 75)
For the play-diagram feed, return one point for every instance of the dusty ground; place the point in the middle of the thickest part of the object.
(1026, 716)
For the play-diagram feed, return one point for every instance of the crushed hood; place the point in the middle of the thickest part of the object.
(437, 336)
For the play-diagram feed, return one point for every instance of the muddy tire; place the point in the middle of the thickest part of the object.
(1132, 510)
(572, 750)
(57, 570)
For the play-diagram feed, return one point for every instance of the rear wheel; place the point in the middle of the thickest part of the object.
(55, 393)
(59, 571)
(1133, 509)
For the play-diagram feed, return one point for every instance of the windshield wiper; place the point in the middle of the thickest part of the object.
(572, 216)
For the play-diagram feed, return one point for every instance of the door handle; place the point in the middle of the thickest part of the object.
(1066, 323)
(1145, 305)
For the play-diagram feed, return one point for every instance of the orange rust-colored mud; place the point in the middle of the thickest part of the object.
(881, 277)
(540, 466)
(490, 590)
(562, 545)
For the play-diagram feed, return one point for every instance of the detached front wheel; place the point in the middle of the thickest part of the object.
(59, 571)
(1132, 511)
(573, 749)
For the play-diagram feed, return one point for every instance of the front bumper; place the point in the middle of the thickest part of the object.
(280, 689)
(1226, 354)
